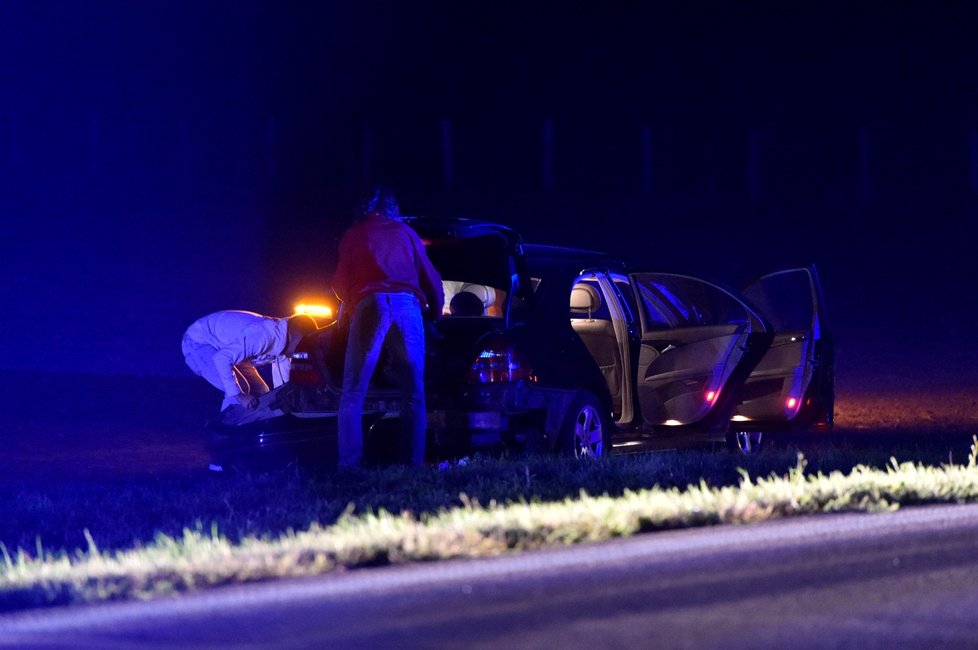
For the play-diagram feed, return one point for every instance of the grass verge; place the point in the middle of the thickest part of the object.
(201, 558)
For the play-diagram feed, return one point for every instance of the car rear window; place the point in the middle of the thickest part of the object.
(476, 274)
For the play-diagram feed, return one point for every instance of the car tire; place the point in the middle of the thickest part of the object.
(586, 431)
(745, 443)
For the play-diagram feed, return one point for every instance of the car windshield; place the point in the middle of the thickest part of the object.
(476, 274)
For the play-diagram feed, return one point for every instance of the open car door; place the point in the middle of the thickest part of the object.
(698, 344)
(794, 382)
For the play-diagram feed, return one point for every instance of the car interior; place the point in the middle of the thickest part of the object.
(480, 266)
(693, 336)
(472, 300)
(590, 318)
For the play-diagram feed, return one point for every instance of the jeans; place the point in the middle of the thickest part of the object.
(391, 321)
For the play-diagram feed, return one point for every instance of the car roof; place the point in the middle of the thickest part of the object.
(457, 227)
(545, 256)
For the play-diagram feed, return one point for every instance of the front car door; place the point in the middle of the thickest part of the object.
(696, 340)
(794, 381)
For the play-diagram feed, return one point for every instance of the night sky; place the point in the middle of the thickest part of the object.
(161, 160)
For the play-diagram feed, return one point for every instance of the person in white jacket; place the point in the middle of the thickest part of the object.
(225, 347)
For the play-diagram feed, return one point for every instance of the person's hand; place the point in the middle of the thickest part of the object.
(247, 401)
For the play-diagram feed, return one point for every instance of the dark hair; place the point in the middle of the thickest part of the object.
(382, 201)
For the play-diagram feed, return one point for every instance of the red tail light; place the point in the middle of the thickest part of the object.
(302, 370)
(499, 364)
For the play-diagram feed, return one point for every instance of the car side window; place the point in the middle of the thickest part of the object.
(689, 302)
(656, 313)
(785, 298)
(704, 304)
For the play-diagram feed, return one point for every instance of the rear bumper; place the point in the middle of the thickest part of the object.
(493, 414)
(459, 419)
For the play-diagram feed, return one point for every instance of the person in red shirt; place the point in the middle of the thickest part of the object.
(385, 281)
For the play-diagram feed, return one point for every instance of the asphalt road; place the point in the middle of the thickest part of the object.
(906, 579)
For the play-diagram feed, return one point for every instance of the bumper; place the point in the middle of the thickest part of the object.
(459, 420)
(493, 414)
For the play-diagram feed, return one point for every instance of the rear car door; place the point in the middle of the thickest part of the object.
(693, 336)
(794, 381)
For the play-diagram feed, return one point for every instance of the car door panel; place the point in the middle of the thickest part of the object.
(782, 384)
(693, 336)
(676, 384)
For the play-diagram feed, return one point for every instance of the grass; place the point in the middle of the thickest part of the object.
(106, 541)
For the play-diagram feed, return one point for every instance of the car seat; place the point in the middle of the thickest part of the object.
(598, 335)
(584, 299)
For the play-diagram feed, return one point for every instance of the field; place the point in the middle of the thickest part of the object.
(109, 468)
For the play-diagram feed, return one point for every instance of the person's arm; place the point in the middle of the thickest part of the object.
(224, 360)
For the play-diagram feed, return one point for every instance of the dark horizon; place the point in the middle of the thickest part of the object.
(163, 160)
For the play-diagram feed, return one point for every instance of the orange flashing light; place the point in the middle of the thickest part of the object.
(316, 311)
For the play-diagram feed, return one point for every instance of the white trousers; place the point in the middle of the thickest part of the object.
(200, 359)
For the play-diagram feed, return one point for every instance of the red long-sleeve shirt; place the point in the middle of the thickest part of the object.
(379, 255)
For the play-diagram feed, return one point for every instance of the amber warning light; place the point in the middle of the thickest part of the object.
(314, 310)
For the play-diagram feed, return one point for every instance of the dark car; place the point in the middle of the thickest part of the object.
(555, 349)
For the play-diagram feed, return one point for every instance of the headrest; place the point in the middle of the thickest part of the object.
(486, 294)
(465, 303)
(584, 299)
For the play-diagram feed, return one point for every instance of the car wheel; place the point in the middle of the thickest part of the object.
(745, 443)
(586, 431)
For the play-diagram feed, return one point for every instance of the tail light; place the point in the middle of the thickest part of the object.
(302, 370)
(500, 363)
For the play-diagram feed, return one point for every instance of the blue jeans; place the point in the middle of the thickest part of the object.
(391, 321)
